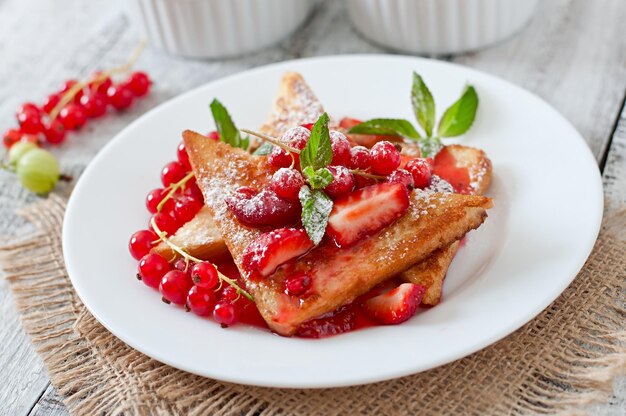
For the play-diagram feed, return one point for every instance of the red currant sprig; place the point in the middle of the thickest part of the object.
(188, 257)
(172, 188)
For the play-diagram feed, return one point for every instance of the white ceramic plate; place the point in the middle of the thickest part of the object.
(548, 208)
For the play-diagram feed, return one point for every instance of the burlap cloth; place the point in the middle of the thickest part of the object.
(561, 361)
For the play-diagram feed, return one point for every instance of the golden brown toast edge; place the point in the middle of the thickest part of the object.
(339, 276)
(432, 271)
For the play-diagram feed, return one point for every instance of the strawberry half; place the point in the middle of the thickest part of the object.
(270, 250)
(395, 306)
(366, 211)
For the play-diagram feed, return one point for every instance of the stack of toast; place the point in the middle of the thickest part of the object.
(418, 247)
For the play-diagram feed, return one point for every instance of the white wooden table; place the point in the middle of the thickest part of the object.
(573, 54)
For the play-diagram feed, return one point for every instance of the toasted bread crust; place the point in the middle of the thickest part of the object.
(433, 221)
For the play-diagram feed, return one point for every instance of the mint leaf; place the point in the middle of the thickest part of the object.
(430, 146)
(318, 152)
(387, 127)
(460, 116)
(423, 104)
(316, 207)
(264, 150)
(226, 127)
(318, 179)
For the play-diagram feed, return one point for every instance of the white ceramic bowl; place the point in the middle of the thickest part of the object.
(439, 26)
(216, 28)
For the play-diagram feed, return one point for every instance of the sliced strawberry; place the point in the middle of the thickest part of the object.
(366, 211)
(271, 249)
(347, 123)
(395, 306)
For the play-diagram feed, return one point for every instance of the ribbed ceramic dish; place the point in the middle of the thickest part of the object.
(217, 28)
(439, 26)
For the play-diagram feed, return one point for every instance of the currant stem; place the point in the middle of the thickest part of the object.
(367, 175)
(272, 140)
(98, 79)
(188, 257)
(172, 190)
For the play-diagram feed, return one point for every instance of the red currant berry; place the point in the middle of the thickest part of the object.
(403, 177)
(183, 157)
(165, 222)
(201, 301)
(421, 170)
(54, 132)
(360, 158)
(213, 135)
(152, 268)
(363, 181)
(68, 85)
(11, 137)
(296, 137)
(341, 149)
(95, 105)
(31, 138)
(308, 126)
(204, 275)
(183, 265)
(286, 183)
(50, 102)
(192, 190)
(172, 172)
(297, 284)
(225, 313)
(186, 208)
(139, 83)
(384, 158)
(72, 117)
(141, 242)
(229, 294)
(343, 181)
(29, 118)
(120, 97)
(155, 197)
(102, 86)
(279, 158)
(174, 287)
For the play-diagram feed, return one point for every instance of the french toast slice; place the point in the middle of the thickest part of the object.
(295, 104)
(198, 237)
(433, 220)
(475, 173)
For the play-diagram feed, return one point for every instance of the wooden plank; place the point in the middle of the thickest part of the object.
(50, 404)
(615, 168)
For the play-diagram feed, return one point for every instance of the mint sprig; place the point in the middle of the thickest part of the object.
(226, 127)
(456, 120)
(316, 208)
(318, 152)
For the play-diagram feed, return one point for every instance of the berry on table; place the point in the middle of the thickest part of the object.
(102, 86)
(18, 150)
(11, 137)
(152, 267)
(175, 286)
(138, 83)
(384, 158)
(120, 97)
(204, 275)
(94, 104)
(72, 117)
(29, 118)
(50, 102)
(286, 183)
(54, 132)
(38, 171)
(141, 242)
